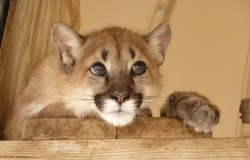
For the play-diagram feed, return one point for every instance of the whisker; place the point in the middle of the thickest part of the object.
(77, 98)
(91, 115)
(141, 112)
(152, 97)
(76, 94)
(151, 102)
(140, 115)
(90, 102)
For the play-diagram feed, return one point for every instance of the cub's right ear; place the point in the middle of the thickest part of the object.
(159, 40)
(68, 44)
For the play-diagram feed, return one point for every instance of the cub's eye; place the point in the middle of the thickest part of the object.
(98, 69)
(138, 68)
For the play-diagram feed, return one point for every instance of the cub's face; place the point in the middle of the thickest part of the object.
(114, 71)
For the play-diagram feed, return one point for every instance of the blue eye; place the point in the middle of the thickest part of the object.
(98, 69)
(139, 68)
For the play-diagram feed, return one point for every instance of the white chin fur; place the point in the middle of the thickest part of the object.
(118, 115)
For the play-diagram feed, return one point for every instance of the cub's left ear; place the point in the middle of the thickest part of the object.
(68, 44)
(159, 40)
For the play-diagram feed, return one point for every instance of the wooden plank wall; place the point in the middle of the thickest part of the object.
(27, 40)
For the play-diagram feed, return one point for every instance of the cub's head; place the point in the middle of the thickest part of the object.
(113, 72)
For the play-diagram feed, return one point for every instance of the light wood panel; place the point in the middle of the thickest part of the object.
(196, 148)
(136, 15)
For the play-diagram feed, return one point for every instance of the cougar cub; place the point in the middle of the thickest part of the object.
(111, 74)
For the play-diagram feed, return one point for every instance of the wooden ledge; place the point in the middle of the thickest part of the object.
(67, 128)
(192, 148)
(86, 128)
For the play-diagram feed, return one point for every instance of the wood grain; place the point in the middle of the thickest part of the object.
(194, 148)
(3, 55)
(67, 128)
(74, 128)
(158, 128)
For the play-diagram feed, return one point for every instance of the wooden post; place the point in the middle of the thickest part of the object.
(245, 110)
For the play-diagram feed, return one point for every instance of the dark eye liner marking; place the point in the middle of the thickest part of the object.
(104, 54)
(132, 53)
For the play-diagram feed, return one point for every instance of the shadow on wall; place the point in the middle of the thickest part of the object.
(4, 7)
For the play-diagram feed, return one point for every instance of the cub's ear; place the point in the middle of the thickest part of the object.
(68, 44)
(159, 40)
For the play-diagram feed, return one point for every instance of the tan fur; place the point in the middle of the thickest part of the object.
(61, 82)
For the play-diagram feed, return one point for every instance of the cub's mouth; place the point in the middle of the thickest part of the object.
(117, 108)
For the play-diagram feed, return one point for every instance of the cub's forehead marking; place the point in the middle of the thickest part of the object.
(104, 54)
(132, 52)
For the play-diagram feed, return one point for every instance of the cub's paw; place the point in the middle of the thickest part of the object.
(195, 110)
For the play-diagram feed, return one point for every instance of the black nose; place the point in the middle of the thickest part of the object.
(120, 97)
